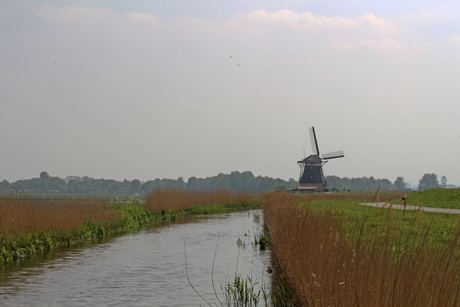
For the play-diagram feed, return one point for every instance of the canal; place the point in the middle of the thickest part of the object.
(145, 268)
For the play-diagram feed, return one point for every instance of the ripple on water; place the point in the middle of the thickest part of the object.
(141, 269)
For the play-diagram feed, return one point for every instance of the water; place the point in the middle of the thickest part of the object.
(146, 268)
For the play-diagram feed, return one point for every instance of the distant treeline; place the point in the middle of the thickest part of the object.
(359, 184)
(234, 181)
(428, 181)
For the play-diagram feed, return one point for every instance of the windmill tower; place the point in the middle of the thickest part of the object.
(311, 167)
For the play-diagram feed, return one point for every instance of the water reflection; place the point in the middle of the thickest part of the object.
(141, 269)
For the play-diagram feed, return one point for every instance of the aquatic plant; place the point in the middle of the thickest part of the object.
(237, 292)
(240, 243)
(242, 291)
(261, 241)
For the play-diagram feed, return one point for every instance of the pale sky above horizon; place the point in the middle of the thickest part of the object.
(166, 89)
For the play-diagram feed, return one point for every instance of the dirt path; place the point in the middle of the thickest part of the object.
(387, 205)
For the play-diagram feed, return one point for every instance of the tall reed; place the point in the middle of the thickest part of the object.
(166, 199)
(23, 215)
(322, 264)
(29, 225)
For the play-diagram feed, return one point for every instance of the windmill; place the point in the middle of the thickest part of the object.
(311, 167)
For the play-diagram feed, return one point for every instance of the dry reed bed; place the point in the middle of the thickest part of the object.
(31, 225)
(22, 215)
(166, 199)
(322, 266)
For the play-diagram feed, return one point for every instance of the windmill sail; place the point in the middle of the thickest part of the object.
(314, 143)
(333, 155)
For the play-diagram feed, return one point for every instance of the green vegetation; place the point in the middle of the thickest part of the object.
(339, 253)
(436, 198)
(243, 292)
(235, 181)
(281, 291)
(428, 181)
(353, 213)
(358, 184)
(75, 185)
(18, 241)
(25, 244)
(440, 225)
(31, 226)
(261, 241)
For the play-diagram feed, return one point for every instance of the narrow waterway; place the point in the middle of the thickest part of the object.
(145, 268)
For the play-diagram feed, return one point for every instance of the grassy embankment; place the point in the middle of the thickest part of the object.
(335, 252)
(31, 225)
(436, 198)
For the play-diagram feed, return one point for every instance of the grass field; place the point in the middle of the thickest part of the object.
(352, 213)
(435, 198)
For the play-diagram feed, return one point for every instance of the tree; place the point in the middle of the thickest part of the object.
(126, 184)
(399, 184)
(292, 184)
(5, 185)
(193, 184)
(68, 178)
(88, 182)
(136, 185)
(38, 184)
(18, 186)
(428, 181)
(77, 186)
(56, 183)
(44, 175)
(444, 182)
(181, 183)
(334, 182)
(384, 184)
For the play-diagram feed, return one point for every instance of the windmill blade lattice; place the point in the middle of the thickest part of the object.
(333, 155)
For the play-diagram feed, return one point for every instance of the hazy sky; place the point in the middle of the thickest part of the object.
(161, 89)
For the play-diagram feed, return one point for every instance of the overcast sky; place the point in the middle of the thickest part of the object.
(161, 89)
